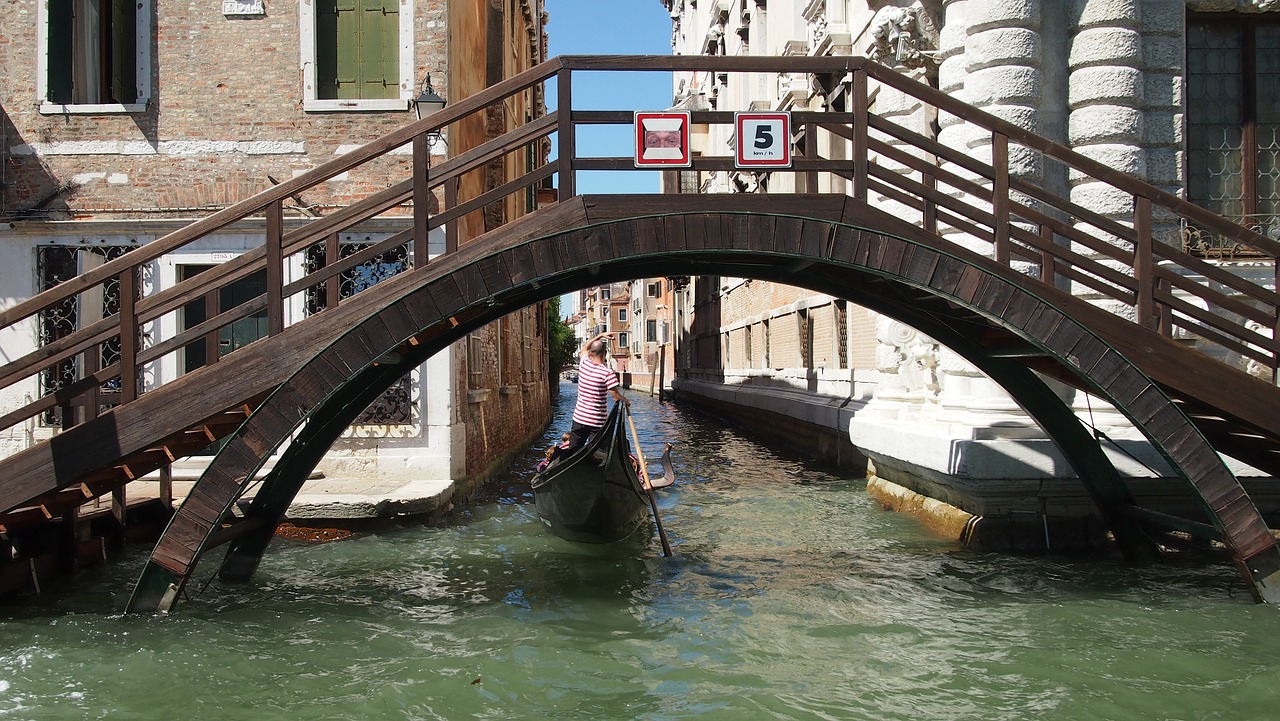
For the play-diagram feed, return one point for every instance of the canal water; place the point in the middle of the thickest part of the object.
(791, 595)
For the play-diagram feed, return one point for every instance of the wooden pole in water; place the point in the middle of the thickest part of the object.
(648, 487)
(662, 369)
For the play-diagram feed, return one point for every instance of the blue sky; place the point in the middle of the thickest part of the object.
(611, 27)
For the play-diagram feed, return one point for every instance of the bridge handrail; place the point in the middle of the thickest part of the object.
(1129, 267)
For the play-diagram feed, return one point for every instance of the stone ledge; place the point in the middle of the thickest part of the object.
(346, 502)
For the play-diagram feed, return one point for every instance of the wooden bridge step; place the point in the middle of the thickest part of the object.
(24, 517)
(203, 431)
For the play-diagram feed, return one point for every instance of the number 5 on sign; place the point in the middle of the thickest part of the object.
(764, 140)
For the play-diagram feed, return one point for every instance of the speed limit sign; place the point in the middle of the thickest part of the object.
(764, 140)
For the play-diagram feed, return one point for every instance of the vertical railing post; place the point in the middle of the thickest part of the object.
(451, 201)
(275, 268)
(1000, 195)
(1275, 323)
(129, 335)
(421, 198)
(1143, 263)
(212, 307)
(810, 151)
(1048, 262)
(860, 110)
(1165, 311)
(333, 286)
(92, 363)
(564, 133)
(929, 215)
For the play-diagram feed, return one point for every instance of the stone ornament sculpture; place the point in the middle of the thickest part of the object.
(905, 36)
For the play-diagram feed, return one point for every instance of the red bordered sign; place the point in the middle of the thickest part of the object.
(764, 140)
(662, 140)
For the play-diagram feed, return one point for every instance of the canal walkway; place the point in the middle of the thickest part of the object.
(324, 499)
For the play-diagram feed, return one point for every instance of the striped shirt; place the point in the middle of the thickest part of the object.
(594, 382)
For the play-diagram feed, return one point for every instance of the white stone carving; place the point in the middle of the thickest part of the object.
(906, 36)
(242, 7)
(908, 359)
(816, 17)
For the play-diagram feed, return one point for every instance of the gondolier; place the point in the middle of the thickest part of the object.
(596, 381)
(594, 493)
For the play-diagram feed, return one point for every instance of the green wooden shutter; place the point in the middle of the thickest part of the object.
(124, 41)
(357, 49)
(347, 79)
(380, 57)
(58, 60)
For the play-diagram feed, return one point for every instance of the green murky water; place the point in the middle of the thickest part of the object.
(791, 596)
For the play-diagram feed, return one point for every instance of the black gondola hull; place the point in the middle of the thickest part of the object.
(594, 495)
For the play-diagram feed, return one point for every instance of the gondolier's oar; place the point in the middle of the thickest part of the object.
(648, 487)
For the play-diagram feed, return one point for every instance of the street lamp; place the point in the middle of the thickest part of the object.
(427, 102)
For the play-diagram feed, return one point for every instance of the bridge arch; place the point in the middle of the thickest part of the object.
(835, 245)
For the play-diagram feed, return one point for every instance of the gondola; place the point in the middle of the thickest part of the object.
(594, 494)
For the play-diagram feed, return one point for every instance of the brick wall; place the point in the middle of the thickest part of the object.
(225, 113)
(504, 409)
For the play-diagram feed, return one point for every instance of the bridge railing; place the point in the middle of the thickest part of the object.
(993, 187)
(1103, 232)
(1058, 216)
(146, 329)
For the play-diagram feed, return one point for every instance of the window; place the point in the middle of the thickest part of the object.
(622, 315)
(622, 340)
(654, 290)
(56, 264)
(764, 342)
(356, 54)
(806, 337)
(94, 56)
(395, 406)
(475, 359)
(651, 331)
(840, 321)
(1233, 119)
(604, 293)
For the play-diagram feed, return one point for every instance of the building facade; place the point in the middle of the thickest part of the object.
(124, 121)
(1178, 93)
(652, 340)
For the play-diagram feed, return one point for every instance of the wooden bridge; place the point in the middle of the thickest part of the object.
(982, 259)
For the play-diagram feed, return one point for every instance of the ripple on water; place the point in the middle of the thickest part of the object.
(792, 596)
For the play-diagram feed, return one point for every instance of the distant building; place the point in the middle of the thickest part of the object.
(652, 320)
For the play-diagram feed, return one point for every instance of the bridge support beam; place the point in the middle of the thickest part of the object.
(278, 489)
(1084, 452)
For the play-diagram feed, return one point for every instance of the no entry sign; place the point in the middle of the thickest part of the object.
(662, 140)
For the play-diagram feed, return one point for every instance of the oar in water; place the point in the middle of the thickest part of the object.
(648, 487)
